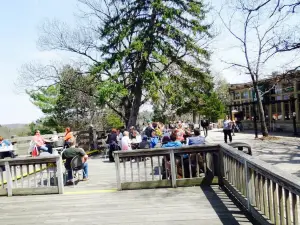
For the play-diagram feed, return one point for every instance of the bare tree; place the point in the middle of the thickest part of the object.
(255, 26)
(292, 7)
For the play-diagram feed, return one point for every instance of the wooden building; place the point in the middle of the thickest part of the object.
(281, 101)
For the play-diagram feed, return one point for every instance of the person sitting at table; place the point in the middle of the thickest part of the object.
(154, 139)
(197, 139)
(41, 142)
(145, 143)
(67, 137)
(174, 142)
(3, 144)
(125, 142)
(69, 154)
(165, 140)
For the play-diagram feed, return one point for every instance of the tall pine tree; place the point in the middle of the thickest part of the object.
(147, 41)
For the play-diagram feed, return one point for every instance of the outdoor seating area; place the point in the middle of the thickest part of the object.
(263, 192)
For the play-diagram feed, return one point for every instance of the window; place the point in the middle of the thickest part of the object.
(237, 95)
(245, 95)
(278, 89)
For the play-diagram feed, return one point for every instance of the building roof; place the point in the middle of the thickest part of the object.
(273, 79)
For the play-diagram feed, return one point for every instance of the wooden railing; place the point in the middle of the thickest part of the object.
(268, 194)
(164, 167)
(90, 139)
(21, 144)
(27, 176)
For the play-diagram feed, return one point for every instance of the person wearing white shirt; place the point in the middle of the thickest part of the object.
(125, 143)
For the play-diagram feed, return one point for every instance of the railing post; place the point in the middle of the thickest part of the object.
(221, 167)
(247, 184)
(117, 164)
(60, 177)
(93, 138)
(173, 168)
(9, 179)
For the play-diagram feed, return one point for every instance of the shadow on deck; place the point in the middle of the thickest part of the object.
(189, 205)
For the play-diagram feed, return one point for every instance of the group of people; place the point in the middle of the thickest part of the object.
(45, 145)
(154, 135)
(70, 151)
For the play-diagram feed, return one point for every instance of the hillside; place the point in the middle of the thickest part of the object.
(7, 130)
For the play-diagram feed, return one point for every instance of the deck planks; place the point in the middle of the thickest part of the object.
(84, 205)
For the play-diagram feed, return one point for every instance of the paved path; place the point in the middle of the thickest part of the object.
(284, 153)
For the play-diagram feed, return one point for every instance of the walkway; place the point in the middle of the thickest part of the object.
(97, 202)
(283, 152)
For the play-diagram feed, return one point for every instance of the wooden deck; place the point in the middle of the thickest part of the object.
(97, 202)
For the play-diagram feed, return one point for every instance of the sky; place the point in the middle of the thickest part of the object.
(19, 31)
(19, 22)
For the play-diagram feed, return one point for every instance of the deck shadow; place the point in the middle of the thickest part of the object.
(226, 209)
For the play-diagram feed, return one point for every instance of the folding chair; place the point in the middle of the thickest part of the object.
(76, 167)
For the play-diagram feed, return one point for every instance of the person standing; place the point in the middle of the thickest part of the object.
(233, 127)
(112, 141)
(227, 128)
(68, 136)
(205, 124)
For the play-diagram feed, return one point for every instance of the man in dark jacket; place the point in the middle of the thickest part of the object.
(149, 130)
(113, 144)
(144, 144)
(205, 124)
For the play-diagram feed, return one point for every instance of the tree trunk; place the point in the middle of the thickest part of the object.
(263, 124)
(194, 116)
(136, 104)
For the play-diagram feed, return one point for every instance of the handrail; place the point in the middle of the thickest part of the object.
(185, 166)
(269, 194)
(43, 169)
(288, 180)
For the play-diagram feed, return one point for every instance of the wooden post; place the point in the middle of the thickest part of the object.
(9, 179)
(60, 177)
(221, 172)
(117, 164)
(173, 168)
(248, 185)
(93, 138)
